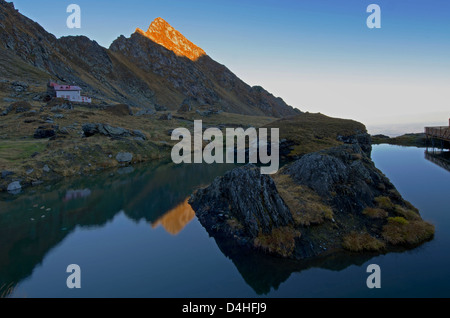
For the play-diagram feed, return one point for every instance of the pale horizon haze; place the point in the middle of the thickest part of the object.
(318, 55)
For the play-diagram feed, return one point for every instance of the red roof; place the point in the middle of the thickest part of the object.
(58, 87)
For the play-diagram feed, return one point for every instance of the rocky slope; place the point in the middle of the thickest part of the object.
(323, 203)
(151, 69)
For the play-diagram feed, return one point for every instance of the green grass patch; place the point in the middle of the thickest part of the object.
(314, 132)
(19, 150)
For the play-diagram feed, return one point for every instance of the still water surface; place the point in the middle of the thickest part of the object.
(134, 235)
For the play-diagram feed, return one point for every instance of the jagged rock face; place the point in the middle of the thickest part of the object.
(243, 195)
(345, 175)
(94, 56)
(163, 34)
(25, 38)
(364, 140)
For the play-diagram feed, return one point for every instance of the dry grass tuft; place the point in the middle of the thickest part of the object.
(235, 224)
(306, 206)
(406, 213)
(281, 241)
(384, 203)
(358, 242)
(400, 231)
(375, 213)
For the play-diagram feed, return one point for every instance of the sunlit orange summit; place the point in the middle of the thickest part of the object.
(164, 34)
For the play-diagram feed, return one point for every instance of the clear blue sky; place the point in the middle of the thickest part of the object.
(318, 55)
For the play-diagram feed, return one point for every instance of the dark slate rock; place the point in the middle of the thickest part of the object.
(6, 173)
(246, 195)
(42, 133)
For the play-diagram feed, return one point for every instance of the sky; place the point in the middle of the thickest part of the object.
(318, 55)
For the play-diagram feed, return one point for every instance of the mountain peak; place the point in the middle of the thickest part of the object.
(164, 34)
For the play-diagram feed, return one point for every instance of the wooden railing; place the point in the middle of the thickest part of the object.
(442, 132)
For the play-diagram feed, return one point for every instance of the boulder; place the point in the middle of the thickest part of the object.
(19, 86)
(111, 131)
(90, 129)
(208, 112)
(6, 173)
(139, 134)
(145, 111)
(57, 104)
(124, 157)
(245, 195)
(167, 116)
(160, 108)
(106, 130)
(119, 110)
(14, 187)
(43, 132)
(18, 107)
(185, 106)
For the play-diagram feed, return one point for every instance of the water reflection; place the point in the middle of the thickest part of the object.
(176, 219)
(35, 222)
(32, 223)
(439, 158)
(264, 273)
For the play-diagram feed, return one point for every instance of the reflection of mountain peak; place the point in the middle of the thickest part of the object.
(176, 219)
(164, 34)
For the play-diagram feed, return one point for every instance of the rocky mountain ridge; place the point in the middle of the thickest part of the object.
(137, 70)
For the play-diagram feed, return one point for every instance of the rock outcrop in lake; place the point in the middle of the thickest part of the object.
(325, 202)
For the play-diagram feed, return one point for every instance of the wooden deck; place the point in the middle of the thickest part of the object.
(442, 133)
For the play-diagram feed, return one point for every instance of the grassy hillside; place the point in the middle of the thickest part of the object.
(313, 132)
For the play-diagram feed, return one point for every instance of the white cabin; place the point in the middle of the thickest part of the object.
(68, 92)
